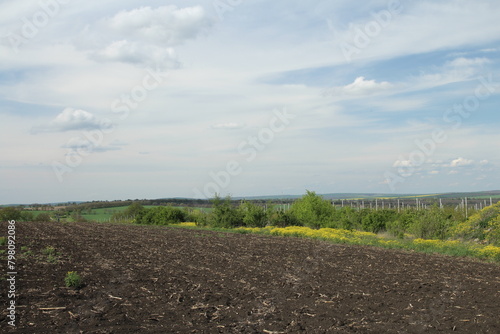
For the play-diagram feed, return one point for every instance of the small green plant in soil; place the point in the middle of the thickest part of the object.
(73, 280)
(49, 250)
(26, 251)
(52, 259)
(3, 241)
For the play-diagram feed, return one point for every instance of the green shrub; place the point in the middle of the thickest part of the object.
(26, 216)
(161, 215)
(375, 221)
(43, 217)
(397, 228)
(431, 224)
(312, 210)
(282, 218)
(253, 215)
(77, 217)
(73, 280)
(224, 214)
(129, 215)
(198, 216)
(482, 225)
(10, 213)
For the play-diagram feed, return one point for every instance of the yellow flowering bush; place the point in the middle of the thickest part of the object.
(390, 243)
(186, 224)
(426, 243)
(489, 252)
(254, 229)
(337, 235)
(483, 225)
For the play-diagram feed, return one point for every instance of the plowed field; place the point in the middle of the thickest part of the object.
(170, 280)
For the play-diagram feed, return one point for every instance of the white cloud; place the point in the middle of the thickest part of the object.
(467, 62)
(165, 25)
(182, 121)
(137, 53)
(79, 144)
(460, 162)
(71, 119)
(145, 35)
(402, 163)
(489, 50)
(362, 87)
(454, 71)
(228, 126)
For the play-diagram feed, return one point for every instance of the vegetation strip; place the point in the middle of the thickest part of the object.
(340, 236)
(459, 230)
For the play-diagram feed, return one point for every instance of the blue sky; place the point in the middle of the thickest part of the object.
(104, 100)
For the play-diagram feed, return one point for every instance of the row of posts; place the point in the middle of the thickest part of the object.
(419, 205)
(401, 205)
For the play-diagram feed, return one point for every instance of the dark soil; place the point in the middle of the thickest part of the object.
(170, 280)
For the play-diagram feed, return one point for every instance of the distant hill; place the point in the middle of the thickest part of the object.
(368, 196)
(330, 196)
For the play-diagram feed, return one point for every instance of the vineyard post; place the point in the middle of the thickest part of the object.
(466, 212)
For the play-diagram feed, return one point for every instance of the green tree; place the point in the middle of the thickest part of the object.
(312, 210)
(130, 214)
(281, 218)
(43, 217)
(224, 214)
(27, 216)
(134, 209)
(253, 215)
(375, 221)
(10, 213)
(433, 223)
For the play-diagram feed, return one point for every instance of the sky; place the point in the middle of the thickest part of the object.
(108, 100)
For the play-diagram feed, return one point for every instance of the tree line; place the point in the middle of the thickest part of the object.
(311, 210)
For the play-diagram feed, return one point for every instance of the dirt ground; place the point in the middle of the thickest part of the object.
(169, 280)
